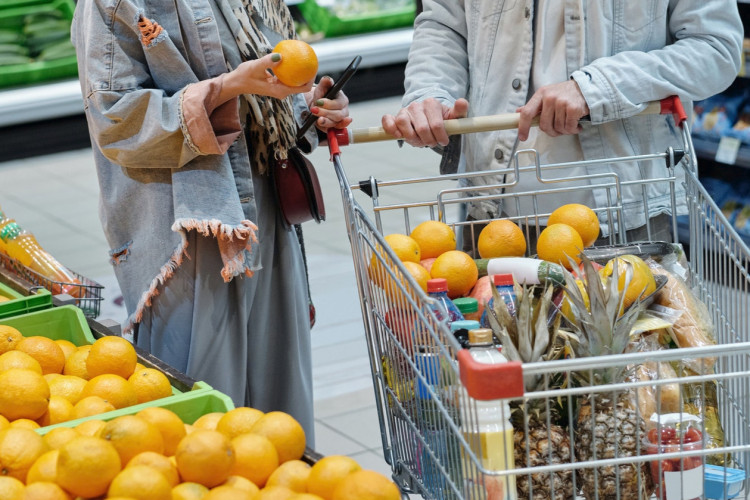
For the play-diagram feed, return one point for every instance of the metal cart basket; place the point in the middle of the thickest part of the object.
(427, 387)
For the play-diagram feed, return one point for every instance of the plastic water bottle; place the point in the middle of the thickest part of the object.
(437, 288)
(490, 434)
(22, 246)
(504, 285)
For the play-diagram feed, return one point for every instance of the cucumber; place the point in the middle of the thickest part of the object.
(57, 50)
(9, 36)
(10, 59)
(13, 48)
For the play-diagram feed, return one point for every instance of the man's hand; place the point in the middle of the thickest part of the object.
(421, 123)
(559, 107)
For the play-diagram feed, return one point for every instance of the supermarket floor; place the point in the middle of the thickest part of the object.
(56, 197)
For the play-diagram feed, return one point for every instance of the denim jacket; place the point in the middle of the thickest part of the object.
(621, 53)
(169, 158)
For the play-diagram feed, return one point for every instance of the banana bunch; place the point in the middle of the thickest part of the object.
(45, 36)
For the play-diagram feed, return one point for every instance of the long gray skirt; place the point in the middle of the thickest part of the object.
(249, 338)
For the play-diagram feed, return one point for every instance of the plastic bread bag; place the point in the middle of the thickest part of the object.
(662, 396)
(693, 328)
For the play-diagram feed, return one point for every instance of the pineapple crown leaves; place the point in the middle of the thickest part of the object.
(602, 329)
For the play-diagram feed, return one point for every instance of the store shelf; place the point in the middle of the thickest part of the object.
(706, 149)
(43, 102)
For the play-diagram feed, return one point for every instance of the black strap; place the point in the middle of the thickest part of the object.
(298, 230)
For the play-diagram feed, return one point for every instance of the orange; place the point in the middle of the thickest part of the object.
(44, 468)
(111, 355)
(632, 270)
(393, 291)
(227, 492)
(47, 490)
(209, 421)
(23, 394)
(18, 359)
(566, 310)
(57, 437)
(49, 377)
(90, 427)
(11, 488)
(4, 423)
(142, 483)
(159, 462)
(150, 384)
(255, 458)
(91, 405)
(501, 238)
(205, 457)
(238, 421)
(305, 496)
(579, 217)
(111, 388)
(434, 238)
(86, 465)
(406, 249)
(559, 243)
(9, 338)
(458, 269)
(67, 386)
(75, 365)
(298, 65)
(366, 485)
(25, 423)
(241, 483)
(292, 474)
(19, 449)
(49, 355)
(67, 347)
(189, 491)
(285, 433)
(131, 435)
(169, 424)
(59, 410)
(328, 472)
(274, 493)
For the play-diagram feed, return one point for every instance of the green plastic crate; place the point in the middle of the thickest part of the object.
(189, 407)
(323, 20)
(21, 304)
(37, 71)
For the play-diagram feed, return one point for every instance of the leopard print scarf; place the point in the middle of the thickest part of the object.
(271, 125)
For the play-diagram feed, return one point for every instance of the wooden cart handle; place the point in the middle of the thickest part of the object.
(503, 121)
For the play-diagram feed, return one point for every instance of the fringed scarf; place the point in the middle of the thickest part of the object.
(271, 125)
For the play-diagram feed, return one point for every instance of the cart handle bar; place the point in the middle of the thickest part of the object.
(504, 121)
(486, 382)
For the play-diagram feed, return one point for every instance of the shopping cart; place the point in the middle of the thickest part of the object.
(427, 387)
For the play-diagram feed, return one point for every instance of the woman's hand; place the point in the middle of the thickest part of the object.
(331, 113)
(256, 77)
(421, 122)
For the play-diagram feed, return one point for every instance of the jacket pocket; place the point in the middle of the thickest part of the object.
(487, 8)
(634, 16)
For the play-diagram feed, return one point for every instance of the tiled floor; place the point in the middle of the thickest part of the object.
(56, 197)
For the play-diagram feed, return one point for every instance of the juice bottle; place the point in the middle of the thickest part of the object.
(469, 307)
(22, 246)
(490, 433)
(4, 221)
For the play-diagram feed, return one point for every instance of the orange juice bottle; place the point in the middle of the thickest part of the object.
(4, 221)
(22, 246)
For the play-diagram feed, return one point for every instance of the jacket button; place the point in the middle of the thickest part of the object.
(499, 154)
(516, 84)
(527, 13)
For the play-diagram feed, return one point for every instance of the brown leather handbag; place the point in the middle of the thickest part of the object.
(297, 189)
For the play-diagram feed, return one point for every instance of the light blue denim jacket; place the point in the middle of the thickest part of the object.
(622, 54)
(157, 180)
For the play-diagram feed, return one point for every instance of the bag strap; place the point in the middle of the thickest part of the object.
(298, 230)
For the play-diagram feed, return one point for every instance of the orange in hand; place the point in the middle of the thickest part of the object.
(298, 65)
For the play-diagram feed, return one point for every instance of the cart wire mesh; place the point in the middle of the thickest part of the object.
(425, 411)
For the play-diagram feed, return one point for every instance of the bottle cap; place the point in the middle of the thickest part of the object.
(465, 324)
(466, 304)
(437, 285)
(502, 279)
(10, 231)
(480, 336)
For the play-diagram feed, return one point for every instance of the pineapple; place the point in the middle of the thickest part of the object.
(528, 338)
(607, 425)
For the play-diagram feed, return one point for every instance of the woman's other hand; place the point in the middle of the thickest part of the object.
(331, 113)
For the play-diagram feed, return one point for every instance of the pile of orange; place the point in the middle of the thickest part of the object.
(570, 229)
(45, 382)
(152, 455)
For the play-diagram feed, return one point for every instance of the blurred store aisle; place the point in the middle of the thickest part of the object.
(56, 197)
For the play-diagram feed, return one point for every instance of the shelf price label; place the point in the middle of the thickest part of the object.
(727, 150)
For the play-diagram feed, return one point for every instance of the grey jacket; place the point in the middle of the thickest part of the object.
(169, 158)
(621, 53)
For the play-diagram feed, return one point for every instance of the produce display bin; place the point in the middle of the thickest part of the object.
(12, 17)
(22, 304)
(321, 19)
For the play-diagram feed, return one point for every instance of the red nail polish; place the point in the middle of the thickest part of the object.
(315, 110)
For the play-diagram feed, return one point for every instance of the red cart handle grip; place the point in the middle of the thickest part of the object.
(487, 382)
(673, 105)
